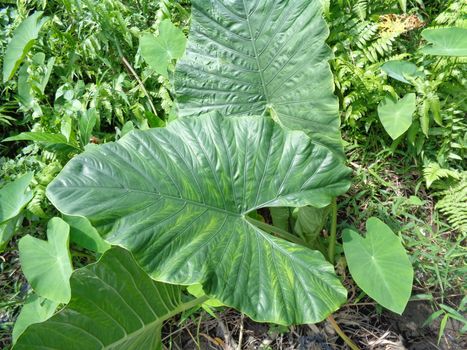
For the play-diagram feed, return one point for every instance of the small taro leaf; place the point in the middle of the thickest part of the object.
(14, 196)
(114, 305)
(400, 70)
(396, 116)
(310, 221)
(250, 57)
(178, 197)
(22, 40)
(47, 264)
(379, 264)
(87, 123)
(34, 310)
(159, 51)
(85, 235)
(445, 41)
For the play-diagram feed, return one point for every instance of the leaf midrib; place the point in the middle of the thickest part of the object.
(175, 198)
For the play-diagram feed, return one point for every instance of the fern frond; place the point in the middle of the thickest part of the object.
(433, 172)
(360, 8)
(454, 204)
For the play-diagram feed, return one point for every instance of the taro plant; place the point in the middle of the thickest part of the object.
(179, 204)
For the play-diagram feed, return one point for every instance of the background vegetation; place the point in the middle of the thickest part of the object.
(86, 66)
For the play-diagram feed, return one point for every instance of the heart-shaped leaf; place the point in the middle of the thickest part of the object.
(396, 116)
(250, 57)
(178, 199)
(445, 41)
(47, 265)
(115, 305)
(159, 51)
(379, 264)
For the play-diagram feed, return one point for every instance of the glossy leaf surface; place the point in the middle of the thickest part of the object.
(379, 264)
(114, 305)
(396, 116)
(251, 57)
(47, 265)
(177, 198)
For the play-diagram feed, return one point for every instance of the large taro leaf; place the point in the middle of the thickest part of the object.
(114, 305)
(177, 198)
(250, 57)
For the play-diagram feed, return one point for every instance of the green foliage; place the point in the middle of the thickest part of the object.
(47, 265)
(14, 196)
(85, 235)
(379, 264)
(21, 42)
(127, 312)
(402, 70)
(160, 51)
(86, 79)
(185, 221)
(255, 63)
(453, 203)
(396, 116)
(445, 41)
(34, 310)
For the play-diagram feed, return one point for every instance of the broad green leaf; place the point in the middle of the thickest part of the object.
(34, 310)
(255, 57)
(158, 52)
(445, 41)
(22, 40)
(379, 264)
(14, 196)
(178, 199)
(396, 116)
(401, 70)
(114, 305)
(47, 264)
(85, 235)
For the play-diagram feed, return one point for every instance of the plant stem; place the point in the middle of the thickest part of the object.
(276, 230)
(140, 82)
(332, 237)
(341, 333)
